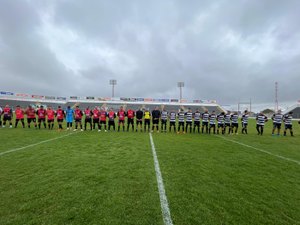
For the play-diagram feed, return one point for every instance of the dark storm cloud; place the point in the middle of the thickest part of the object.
(220, 49)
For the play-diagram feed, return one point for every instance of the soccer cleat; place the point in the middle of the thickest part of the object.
(10, 126)
(75, 130)
(81, 130)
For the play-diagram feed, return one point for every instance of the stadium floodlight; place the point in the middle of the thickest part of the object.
(113, 83)
(180, 84)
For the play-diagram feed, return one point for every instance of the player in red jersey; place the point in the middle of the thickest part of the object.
(19, 116)
(130, 119)
(96, 114)
(50, 117)
(60, 115)
(121, 115)
(41, 113)
(103, 116)
(78, 117)
(1, 110)
(88, 117)
(7, 116)
(111, 119)
(30, 112)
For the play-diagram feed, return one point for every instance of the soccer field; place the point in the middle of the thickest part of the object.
(51, 177)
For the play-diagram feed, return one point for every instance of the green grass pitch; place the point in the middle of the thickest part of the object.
(109, 178)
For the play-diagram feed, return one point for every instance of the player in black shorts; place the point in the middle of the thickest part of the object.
(205, 118)
(155, 119)
(139, 119)
(288, 125)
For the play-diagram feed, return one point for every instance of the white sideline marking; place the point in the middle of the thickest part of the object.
(28, 146)
(162, 193)
(261, 150)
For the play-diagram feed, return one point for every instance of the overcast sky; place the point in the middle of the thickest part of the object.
(222, 49)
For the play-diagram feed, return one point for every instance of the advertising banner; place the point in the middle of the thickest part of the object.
(6, 93)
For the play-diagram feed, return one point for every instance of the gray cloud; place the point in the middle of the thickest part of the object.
(221, 50)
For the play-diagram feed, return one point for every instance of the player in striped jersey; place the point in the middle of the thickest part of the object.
(245, 117)
(260, 123)
(164, 119)
(189, 120)
(172, 117)
(288, 125)
(212, 122)
(277, 120)
(197, 116)
(220, 119)
(227, 122)
(234, 122)
(205, 118)
(181, 115)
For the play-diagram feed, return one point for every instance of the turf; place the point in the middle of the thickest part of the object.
(109, 178)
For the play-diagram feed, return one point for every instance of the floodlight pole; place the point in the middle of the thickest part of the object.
(113, 83)
(180, 85)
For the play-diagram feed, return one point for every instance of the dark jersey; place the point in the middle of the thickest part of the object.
(139, 114)
(155, 114)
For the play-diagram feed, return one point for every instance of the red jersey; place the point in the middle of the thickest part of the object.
(30, 112)
(130, 114)
(103, 116)
(60, 114)
(41, 113)
(121, 115)
(7, 111)
(78, 114)
(87, 113)
(96, 114)
(50, 114)
(19, 114)
(111, 115)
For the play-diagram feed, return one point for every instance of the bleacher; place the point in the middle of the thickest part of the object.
(295, 109)
(111, 104)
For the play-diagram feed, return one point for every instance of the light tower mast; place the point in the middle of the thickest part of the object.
(276, 96)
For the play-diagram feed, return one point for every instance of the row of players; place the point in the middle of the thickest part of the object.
(186, 120)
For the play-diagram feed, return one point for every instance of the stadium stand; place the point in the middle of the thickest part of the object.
(295, 109)
(112, 104)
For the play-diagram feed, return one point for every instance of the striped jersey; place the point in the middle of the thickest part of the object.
(197, 116)
(277, 118)
(288, 119)
(220, 118)
(164, 115)
(181, 116)
(227, 118)
(245, 118)
(212, 119)
(205, 117)
(261, 119)
(172, 117)
(234, 118)
(189, 116)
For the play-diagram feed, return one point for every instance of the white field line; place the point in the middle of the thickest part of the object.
(32, 145)
(261, 150)
(162, 193)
